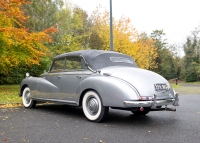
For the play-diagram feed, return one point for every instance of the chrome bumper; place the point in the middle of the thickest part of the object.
(153, 103)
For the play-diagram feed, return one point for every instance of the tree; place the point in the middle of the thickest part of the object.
(160, 44)
(74, 30)
(77, 36)
(99, 38)
(125, 38)
(17, 44)
(175, 50)
(146, 53)
(42, 14)
(191, 58)
(159, 36)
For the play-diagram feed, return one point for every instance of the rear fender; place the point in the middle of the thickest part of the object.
(112, 91)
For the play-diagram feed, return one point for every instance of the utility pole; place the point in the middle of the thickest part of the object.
(111, 28)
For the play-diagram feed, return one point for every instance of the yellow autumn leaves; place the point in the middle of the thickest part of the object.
(126, 39)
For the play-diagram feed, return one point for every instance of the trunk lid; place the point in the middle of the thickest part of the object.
(143, 80)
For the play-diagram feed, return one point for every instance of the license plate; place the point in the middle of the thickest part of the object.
(160, 87)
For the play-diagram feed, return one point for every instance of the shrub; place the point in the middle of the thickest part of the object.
(191, 77)
(16, 75)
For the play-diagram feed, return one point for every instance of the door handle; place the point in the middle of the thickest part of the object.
(59, 76)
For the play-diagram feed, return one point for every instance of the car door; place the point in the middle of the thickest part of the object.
(71, 78)
(51, 88)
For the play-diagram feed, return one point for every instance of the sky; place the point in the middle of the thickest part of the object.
(176, 17)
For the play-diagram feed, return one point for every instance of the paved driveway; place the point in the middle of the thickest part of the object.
(64, 124)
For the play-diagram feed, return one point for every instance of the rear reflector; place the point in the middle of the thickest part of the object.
(140, 98)
(141, 109)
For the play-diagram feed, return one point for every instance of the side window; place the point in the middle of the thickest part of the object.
(73, 63)
(58, 65)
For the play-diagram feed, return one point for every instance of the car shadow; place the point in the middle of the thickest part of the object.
(115, 117)
(61, 109)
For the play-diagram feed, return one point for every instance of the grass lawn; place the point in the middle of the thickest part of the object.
(187, 88)
(9, 94)
(175, 86)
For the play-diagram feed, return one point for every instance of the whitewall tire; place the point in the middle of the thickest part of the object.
(93, 107)
(26, 99)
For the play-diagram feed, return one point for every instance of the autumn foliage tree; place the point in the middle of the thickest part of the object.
(146, 52)
(126, 39)
(74, 31)
(17, 44)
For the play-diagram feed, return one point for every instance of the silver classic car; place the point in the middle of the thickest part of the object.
(98, 80)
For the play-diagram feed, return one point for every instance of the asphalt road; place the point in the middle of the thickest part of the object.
(64, 124)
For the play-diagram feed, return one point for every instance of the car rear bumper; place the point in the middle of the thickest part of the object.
(153, 103)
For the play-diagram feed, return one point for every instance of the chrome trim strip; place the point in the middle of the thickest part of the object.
(148, 103)
(88, 65)
(57, 100)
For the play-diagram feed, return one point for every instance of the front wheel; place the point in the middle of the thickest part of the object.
(93, 107)
(26, 99)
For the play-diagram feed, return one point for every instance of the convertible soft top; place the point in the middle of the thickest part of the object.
(98, 59)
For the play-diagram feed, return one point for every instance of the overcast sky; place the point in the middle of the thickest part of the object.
(176, 17)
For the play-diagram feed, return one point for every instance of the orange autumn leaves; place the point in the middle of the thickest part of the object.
(10, 11)
(17, 44)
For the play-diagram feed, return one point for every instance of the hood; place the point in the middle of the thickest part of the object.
(143, 80)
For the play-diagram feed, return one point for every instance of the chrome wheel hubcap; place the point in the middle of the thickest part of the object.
(92, 106)
(27, 97)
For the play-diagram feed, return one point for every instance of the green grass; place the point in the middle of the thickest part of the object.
(191, 88)
(9, 94)
(175, 86)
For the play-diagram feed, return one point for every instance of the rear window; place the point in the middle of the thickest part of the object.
(111, 59)
(121, 60)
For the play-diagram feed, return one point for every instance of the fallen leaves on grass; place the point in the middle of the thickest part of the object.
(10, 105)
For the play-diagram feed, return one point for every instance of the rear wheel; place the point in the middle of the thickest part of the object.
(26, 99)
(93, 107)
